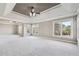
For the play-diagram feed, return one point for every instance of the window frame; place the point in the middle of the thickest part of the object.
(60, 21)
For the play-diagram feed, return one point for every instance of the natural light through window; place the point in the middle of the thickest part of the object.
(66, 28)
(63, 28)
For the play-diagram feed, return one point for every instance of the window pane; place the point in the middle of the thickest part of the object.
(66, 28)
(35, 29)
(28, 28)
(57, 28)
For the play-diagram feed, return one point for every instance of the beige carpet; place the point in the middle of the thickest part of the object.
(35, 46)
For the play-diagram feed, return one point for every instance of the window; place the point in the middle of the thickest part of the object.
(35, 29)
(66, 28)
(57, 28)
(29, 29)
(63, 28)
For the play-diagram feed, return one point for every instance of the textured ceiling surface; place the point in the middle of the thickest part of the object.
(25, 8)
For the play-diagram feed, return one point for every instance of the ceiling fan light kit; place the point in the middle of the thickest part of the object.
(33, 13)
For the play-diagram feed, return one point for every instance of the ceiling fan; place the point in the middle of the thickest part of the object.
(33, 12)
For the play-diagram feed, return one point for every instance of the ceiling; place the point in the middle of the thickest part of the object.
(24, 8)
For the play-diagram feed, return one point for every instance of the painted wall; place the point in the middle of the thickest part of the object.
(45, 28)
(6, 29)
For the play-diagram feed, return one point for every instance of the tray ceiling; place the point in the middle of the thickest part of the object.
(24, 8)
